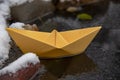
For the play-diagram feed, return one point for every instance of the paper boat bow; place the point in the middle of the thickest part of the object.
(55, 44)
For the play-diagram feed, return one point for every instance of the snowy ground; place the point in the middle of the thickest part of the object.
(5, 6)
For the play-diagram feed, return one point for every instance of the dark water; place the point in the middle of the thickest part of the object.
(101, 61)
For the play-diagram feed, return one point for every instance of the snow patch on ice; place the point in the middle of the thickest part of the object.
(20, 63)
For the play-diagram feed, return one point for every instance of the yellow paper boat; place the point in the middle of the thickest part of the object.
(55, 44)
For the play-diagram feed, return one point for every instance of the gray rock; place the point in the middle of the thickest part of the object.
(29, 11)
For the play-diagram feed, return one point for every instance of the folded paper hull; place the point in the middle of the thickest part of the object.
(54, 44)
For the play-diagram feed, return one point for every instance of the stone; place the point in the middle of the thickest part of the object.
(30, 11)
(22, 74)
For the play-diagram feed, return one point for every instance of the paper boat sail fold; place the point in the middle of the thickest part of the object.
(55, 44)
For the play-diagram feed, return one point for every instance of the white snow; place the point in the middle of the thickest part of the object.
(4, 10)
(18, 2)
(20, 63)
(17, 25)
(2, 22)
(4, 40)
(4, 37)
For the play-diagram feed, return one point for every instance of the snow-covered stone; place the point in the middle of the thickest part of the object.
(17, 25)
(20, 63)
(24, 68)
